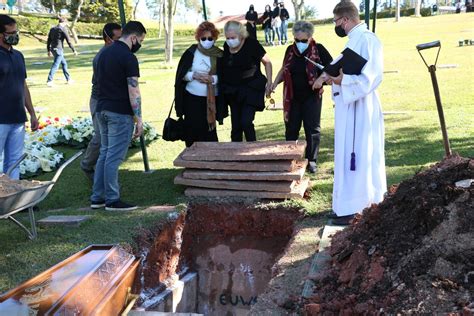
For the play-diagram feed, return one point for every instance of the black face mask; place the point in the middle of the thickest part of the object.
(11, 39)
(340, 31)
(135, 47)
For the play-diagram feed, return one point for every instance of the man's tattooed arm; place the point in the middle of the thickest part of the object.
(135, 97)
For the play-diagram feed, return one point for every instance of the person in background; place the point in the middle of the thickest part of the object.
(267, 25)
(119, 108)
(242, 84)
(110, 33)
(284, 16)
(251, 16)
(14, 97)
(196, 90)
(55, 47)
(359, 157)
(276, 21)
(300, 102)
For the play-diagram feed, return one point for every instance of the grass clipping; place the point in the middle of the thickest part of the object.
(412, 253)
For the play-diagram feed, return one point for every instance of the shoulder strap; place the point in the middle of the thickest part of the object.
(171, 109)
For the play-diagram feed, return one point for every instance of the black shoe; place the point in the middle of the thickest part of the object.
(343, 220)
(120, 206)
(312, 167)
(97, 204)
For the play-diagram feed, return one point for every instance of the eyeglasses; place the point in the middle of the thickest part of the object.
(335, 21)
(210, 38)
(305, 40)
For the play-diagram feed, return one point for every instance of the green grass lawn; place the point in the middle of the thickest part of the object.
(413, 137)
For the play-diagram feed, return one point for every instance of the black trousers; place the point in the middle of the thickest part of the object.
(195, 120)
(242, 116)
(308, 112)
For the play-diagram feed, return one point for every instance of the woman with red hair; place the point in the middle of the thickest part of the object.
(196, 93)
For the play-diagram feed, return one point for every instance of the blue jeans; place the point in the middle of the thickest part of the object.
(59, 59)
(91, 155)
(269, 35)
(12, 141)
(116, 133)
(284, 31)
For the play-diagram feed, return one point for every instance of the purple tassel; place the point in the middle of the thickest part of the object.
(353, 162)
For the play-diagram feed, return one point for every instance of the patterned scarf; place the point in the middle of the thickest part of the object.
(313, 54)
(214, 53)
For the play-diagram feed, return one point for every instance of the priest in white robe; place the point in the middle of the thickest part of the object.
(359, 159)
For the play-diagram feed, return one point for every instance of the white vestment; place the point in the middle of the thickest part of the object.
(355, 190)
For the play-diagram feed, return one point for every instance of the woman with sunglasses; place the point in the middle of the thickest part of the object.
(300, 102)
(196, 93)
(242, 83)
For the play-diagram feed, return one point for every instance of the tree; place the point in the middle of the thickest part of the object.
(299, 7)
(310, 12)
(77, 14)
(418, 8)
(169, 9)
(397, 11)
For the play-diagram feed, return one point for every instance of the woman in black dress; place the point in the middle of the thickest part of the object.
(196, 93)
(300, 102)
(242, 84)
(251, 16)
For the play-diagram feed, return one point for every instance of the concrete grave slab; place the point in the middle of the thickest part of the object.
(63, 220)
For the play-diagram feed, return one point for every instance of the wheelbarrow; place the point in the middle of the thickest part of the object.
(29, 197)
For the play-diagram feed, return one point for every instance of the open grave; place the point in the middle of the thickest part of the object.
(212, 259)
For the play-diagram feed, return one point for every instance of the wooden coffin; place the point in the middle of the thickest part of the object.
(94, 281)
(248, 151)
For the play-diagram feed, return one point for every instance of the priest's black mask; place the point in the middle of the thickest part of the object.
(340, 31)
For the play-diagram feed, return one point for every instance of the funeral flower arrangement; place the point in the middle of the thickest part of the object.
(76, 132)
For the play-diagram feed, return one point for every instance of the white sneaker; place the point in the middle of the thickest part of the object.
(50, 84)
(70, 81)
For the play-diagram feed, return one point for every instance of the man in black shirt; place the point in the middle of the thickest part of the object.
(284, 16)
(14, 96)
(119, 105)
(55, 47)
(110, 33)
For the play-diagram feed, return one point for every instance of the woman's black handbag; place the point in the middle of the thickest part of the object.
(173, 130)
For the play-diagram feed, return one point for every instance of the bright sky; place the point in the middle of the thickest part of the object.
(231, 7)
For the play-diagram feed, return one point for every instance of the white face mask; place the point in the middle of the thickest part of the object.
(206, 44)
(233, 42)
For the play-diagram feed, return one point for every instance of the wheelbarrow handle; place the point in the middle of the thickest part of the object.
(65, 164)
(10, 170)
(428, 45)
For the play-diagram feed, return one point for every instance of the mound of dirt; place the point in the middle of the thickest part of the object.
(412, 253)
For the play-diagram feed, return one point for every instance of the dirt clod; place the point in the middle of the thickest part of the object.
(412, 253)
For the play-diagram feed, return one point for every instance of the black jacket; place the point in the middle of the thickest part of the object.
(56, 37)
(185, 64)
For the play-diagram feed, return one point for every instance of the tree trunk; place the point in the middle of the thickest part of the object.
(53, 9)
(397, 10)
(20, 6)
(135, 10)
(299, 6)
(170, 9)
(418, 8)
(160, 18)
(74, 21)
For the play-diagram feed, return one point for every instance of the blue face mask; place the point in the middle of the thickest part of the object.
(302, 47)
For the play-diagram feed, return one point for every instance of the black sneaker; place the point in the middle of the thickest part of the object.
(120, 206)
(97, 204)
